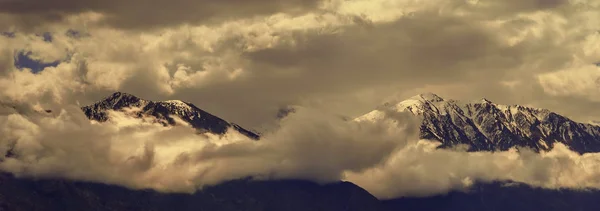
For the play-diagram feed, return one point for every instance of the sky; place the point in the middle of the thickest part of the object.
(246, 60)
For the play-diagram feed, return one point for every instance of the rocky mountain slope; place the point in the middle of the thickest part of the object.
(484, 125)
(163, 110)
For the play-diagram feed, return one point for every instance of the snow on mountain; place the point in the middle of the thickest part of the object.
(484, 125)
(163, 110)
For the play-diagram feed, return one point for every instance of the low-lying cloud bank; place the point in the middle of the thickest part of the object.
(384, 157)
(140, 153)
(420, 170)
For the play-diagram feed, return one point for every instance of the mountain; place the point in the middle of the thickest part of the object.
(486, 126)
(27, 194)
(501, 196)
(449, 121)
(165, 111)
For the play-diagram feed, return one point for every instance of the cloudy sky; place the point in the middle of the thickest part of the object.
(244, 60)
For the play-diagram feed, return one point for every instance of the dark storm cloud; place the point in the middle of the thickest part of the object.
(442, 44)
(410, 47)
(425, 49)
(147, 13)
(517, 6)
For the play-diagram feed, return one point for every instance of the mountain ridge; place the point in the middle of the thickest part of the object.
(164, 110)
(481, 124)
(486, 126)
(29, 194)
(17, 193)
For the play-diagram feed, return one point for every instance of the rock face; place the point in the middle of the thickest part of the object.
(163, 110)
(484, 125)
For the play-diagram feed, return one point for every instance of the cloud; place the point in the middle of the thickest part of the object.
(466, 47)
(345, 56)
(140, 153)
(384, 157)
(144, 14)
(244, 60)
(419, 169)
(446, 45)
(580, 82)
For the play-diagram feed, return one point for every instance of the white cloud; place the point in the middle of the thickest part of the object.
(143, 154)
(384, 157)
(420, 170)
(581, 81)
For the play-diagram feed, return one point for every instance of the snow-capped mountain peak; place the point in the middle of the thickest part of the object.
(179, 107)
(163, 110)
(418, 103)
(485, 125)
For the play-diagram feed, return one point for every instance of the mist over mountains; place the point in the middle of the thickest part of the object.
(186, 149)
(256, 105)
(480, 125)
